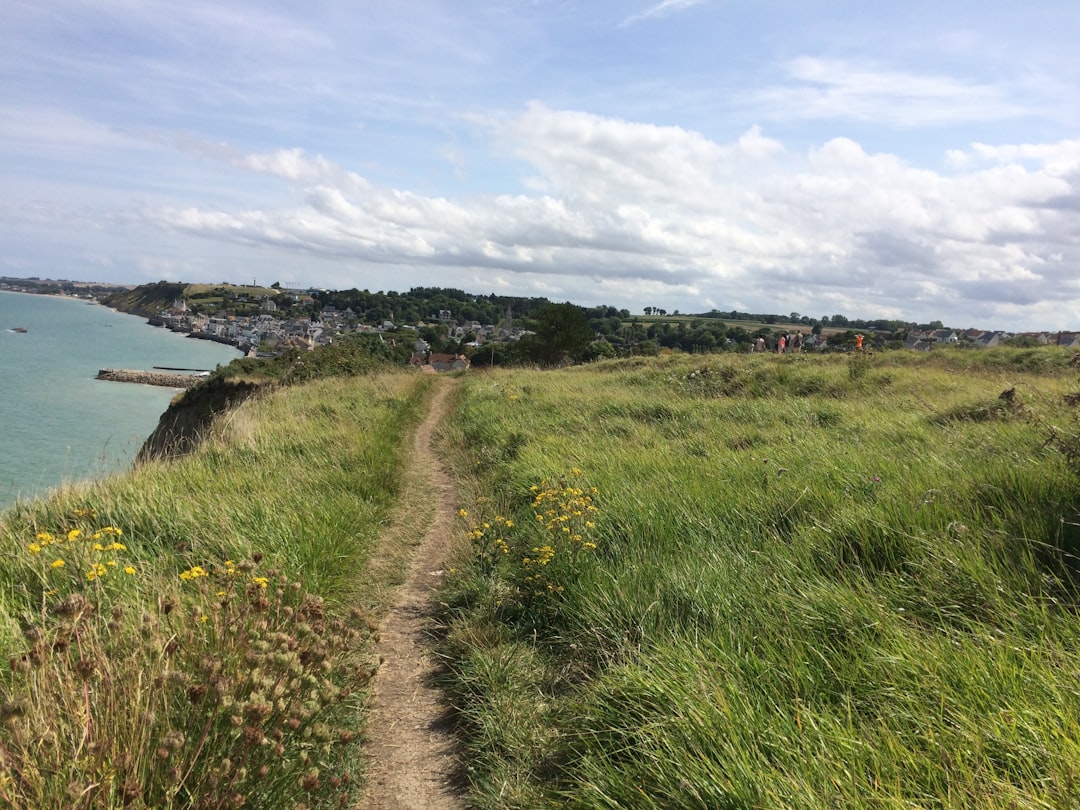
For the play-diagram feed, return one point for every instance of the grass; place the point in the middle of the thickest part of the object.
(195, 633)
(745, 581)
(817, 582)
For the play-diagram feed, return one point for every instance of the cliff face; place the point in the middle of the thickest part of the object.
(186, 422)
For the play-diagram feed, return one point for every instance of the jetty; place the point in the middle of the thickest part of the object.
(149, 377)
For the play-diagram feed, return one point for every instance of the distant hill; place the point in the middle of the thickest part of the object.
(148, 299)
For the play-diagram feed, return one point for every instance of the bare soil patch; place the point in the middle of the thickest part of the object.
(411, 749)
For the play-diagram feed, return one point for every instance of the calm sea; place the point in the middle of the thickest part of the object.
(57, 423)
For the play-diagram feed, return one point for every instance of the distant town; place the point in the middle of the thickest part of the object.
(451, 327)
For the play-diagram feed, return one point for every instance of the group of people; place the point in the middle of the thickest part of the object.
(785, 344)
(792, 343)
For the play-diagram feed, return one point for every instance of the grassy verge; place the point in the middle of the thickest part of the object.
(192, 634)
(796, 582)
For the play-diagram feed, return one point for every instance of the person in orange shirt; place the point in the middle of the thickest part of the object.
(858, 343)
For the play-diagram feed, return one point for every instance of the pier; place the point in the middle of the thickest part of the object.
(149, 377)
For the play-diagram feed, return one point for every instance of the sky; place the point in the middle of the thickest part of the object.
(916, 161)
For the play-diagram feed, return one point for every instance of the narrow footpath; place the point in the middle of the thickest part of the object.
(411, 748)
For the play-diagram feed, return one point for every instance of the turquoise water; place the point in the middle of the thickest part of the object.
(57, 423)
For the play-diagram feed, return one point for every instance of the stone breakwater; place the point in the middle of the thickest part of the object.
(148, 377)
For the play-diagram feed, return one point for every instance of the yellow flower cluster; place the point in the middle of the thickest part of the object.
(565, 508)
(538, 556)
(77, 539)
(228, 570)
(489, 548)
(544, 555)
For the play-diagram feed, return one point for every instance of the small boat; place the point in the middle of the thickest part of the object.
(21, 329)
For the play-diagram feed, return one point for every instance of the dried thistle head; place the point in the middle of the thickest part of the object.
(85, 668)
(14, 708)
(75, 606)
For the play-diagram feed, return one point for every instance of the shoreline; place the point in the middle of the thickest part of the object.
(68, 427)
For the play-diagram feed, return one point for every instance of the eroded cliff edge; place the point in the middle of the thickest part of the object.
(188, 418)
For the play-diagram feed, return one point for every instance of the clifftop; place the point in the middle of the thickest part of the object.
(146, 300)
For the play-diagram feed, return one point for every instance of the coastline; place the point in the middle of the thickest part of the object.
(63, 425)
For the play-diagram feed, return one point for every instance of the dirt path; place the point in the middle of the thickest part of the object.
(411, 748)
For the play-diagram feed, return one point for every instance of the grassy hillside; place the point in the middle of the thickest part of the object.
(194, 634)
(153, 299)
(147, 299)
(770, 582)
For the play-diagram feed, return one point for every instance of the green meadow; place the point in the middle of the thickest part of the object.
(726, 581)
(804, 582)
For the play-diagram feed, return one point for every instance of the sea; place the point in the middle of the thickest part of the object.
(58, 424)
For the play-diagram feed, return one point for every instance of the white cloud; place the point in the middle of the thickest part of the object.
(819, 89)
(690, 220)
(661, 9)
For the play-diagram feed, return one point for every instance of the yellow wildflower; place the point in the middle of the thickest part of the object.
(34, 548)
(74, 534)
(129, 570)
(463, 512)
(56, 564)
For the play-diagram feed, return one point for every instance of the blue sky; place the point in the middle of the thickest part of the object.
(880, 160)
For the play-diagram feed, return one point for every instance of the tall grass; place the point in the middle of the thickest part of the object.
(816, 584)
(193, 634)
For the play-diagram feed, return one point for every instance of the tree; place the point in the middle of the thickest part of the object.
(598, 350)
(562, 333)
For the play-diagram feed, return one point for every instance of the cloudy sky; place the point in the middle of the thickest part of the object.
(916, 160)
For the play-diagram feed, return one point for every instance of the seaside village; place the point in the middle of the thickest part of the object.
(268, 333)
